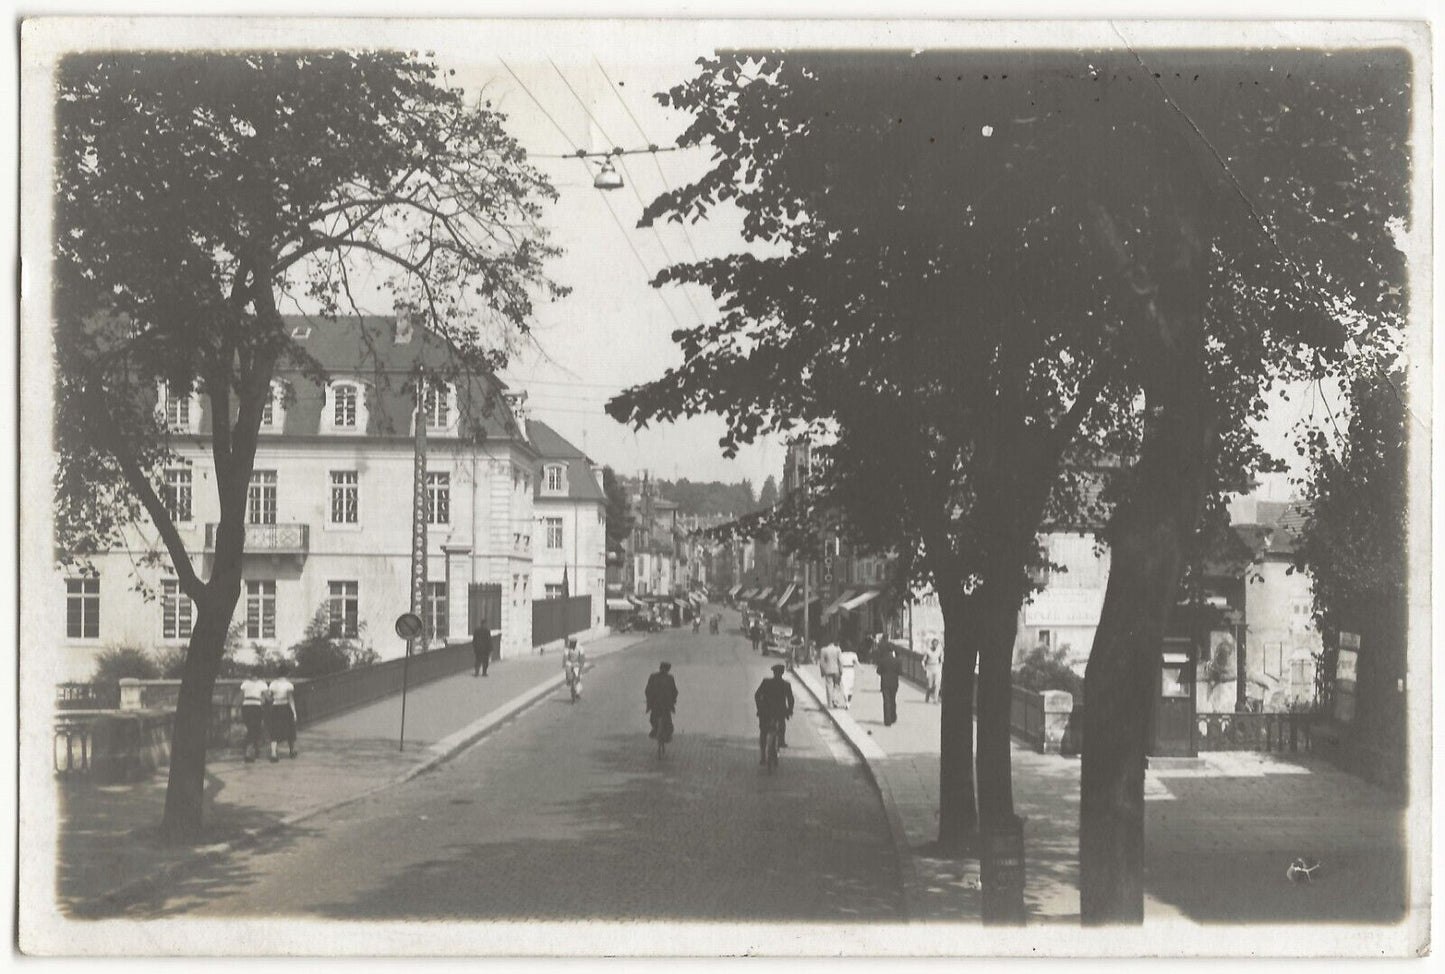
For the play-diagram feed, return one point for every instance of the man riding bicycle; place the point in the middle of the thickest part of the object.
(774, 699)
(573, 660)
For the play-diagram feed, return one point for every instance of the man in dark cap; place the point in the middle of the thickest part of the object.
(482, 648)
(774, 699)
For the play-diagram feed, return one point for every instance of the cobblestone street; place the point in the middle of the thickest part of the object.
(567, 813)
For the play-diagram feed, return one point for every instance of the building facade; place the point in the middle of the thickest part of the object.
(570, 516)
(329, 507)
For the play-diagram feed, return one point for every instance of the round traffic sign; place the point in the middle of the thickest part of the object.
(408, 625)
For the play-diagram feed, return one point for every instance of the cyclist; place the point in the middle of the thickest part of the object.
(774, 700)
(661, 697)
(573, 660)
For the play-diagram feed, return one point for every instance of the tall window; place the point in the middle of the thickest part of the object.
(554, 591)
(554, 479)
(438, 407)
(261, 498)
(177, 495)
(343, 415)
(261, 609)
(178, 410)
(438, 498)
(554, 533)
(344, 494)
(342, 609)
(272, 412)
(82, 608)
(434, 610)
(175, 611)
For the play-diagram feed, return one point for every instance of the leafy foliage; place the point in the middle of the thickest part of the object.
(116, 663)
(321, 652)
(620, 519)
(1046, 669)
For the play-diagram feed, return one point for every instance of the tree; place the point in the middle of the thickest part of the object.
(619, 510)
(769, 495)
(1190, 254)
(1354, 545)
(195, 194)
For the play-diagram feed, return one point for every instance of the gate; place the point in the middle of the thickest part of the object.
(484, 602)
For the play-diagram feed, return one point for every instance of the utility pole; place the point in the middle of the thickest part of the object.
(808, 561)
(418, 541)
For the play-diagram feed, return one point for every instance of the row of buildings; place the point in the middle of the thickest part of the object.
(515, 514)
(1258, 644)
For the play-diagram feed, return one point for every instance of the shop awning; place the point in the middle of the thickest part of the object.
(835, 606)
(861, 599)
(620, 605)
(748, 593)
(697, 598)
(682, 603)
(733, 592)
(787, 594)
(764, 593)
(797, 608)
(636, 601)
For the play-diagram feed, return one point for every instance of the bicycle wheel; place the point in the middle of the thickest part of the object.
(772, 750)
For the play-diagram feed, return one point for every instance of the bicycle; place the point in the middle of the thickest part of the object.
(770, 743)
(664, 733)
(574, 683)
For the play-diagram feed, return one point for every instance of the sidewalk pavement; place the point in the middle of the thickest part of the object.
(108, 833)
(1219, 832)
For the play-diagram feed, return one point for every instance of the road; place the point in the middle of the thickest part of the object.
(566, 812)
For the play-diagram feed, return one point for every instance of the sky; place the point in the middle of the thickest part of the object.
(614, 329)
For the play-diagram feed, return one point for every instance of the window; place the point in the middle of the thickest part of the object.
(554, 479)
(273, 412)
(177, 494)
(554, 591)
(438, 498)
(261, 498)
(261, 609)
(82, 608)
(554, 533)
(178, 410)
(343, 406)
(434, 610)
(176, 611)
(1044, 637)
(344, 493)
(342, 609)
(438, 407)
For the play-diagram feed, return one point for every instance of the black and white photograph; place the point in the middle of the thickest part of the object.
(708, 488)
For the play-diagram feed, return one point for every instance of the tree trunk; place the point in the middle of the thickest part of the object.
(185, 787)
(1146, 536)
(957, 797)
(997, 613)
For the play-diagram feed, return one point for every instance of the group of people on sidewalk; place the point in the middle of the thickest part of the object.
(270, 707)
(838, 665)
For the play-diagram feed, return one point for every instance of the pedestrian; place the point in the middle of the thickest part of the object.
(253, 715)
(830, 665)
(849, 662)
(933, 669)
(281, 712)
(661, 698)
(756, 632)
(888, 671)
(481, 648)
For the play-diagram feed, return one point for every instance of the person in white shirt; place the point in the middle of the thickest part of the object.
(281, 714)
(849, 661)
(933, 669)
(253, 709)
(830, 666)
(574, 660)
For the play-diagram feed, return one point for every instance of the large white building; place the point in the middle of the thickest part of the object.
(329, 508)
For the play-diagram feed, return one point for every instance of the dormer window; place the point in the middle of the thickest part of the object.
(345, 408)
(177, 410)
(554, 481)
(273, 411)
(440, 407)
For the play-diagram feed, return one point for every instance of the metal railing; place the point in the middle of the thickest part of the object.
(87, 696)
(1254, 732)
(283, 538)
(73, 744)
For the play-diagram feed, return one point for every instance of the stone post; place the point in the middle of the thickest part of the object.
(1058, 705)
(131, 694)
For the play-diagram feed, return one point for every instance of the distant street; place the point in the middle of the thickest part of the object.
(566, 813)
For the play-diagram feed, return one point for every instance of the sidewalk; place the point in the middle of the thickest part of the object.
(108, 833)
(1219, 835)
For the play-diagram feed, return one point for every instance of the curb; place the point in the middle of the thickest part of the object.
(869, 751)
(440, 752)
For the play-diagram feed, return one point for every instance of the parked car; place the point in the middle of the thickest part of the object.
(778, 639)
